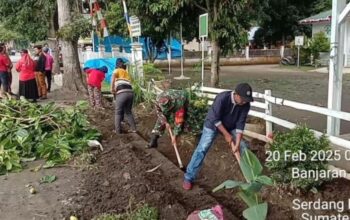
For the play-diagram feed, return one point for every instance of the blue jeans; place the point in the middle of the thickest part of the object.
(206, 141)
(4, 81)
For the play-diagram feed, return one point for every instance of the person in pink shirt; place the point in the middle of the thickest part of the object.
(94, 79)
(27, 83)
(48, 67)
(4, 66)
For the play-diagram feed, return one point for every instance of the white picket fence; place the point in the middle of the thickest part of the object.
(265, 104)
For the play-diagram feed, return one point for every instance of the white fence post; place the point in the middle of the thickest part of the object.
(268, 111)
(282, 51)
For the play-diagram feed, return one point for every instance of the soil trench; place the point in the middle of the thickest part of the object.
(121, 179)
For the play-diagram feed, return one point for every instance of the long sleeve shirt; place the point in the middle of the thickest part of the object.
(40, 63)
(226, 112)
(171, 108)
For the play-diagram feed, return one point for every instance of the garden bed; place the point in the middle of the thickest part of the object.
(220, 165)
(122, 182)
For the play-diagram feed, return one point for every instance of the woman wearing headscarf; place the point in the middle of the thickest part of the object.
(27, 83)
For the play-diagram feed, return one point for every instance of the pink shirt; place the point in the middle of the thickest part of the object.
(95, 77)
(49, 62)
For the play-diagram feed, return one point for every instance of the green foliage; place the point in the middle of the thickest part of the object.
(78, 27)
(321, 6)
(144, 212)
(249, 192)
(8, 35)
(116, 20)
(41, 131)
(141, 95)
(152, 72)
(279, 22)
(319, 43)
(300, 139)
(29, 18)
(196, 112)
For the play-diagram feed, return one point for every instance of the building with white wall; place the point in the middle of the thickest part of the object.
(322, 23)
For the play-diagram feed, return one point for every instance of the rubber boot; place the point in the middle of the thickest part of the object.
(154, 141)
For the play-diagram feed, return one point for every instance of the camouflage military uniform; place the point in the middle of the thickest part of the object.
(171, 107)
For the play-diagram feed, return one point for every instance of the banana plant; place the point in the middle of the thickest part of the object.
(250, 190)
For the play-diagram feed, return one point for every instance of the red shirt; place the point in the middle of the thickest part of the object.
(4, 63)
(26, 68)
(95, 77)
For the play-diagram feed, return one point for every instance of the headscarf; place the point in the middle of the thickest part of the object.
(26, 59)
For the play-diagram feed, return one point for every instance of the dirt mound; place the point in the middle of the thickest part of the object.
(123, 179)
(220, 165)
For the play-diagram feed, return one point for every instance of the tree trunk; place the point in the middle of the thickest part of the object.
(215, 64)
(53, 42)
(72, 77)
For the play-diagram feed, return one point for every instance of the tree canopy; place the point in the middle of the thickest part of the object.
(29, 18)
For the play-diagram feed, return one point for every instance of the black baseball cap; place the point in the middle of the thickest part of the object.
(245, 91)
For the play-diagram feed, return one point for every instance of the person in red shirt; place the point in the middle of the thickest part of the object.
(94, 78)
(9, 71)
(4, 66)
(27, 82)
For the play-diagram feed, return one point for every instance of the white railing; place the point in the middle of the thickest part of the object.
(266, 106)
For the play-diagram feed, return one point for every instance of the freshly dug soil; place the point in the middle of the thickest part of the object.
(121, 180)
(220, 165)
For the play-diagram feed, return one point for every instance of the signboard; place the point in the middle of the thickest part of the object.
(299, 40)
(203, 25)
(135, 26)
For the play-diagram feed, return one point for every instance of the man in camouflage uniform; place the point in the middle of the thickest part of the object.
(171, 110)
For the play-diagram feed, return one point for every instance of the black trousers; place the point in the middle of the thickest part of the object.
(48, 74)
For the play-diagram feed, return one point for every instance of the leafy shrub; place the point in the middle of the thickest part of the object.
(142, 95)
(249, 192)
(319, 43)
(313, 46)
(196, 112)
(152, 72)
(300, 139)
(29, 131)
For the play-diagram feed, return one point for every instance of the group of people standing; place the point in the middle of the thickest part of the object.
(32, 73)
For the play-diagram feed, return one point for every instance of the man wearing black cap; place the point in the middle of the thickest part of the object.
(227, 115)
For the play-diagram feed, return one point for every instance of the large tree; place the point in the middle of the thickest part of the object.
(32, 20)
(280, 22)
(71, 26)
(159, 19)
(228, 22)
(228, 25)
